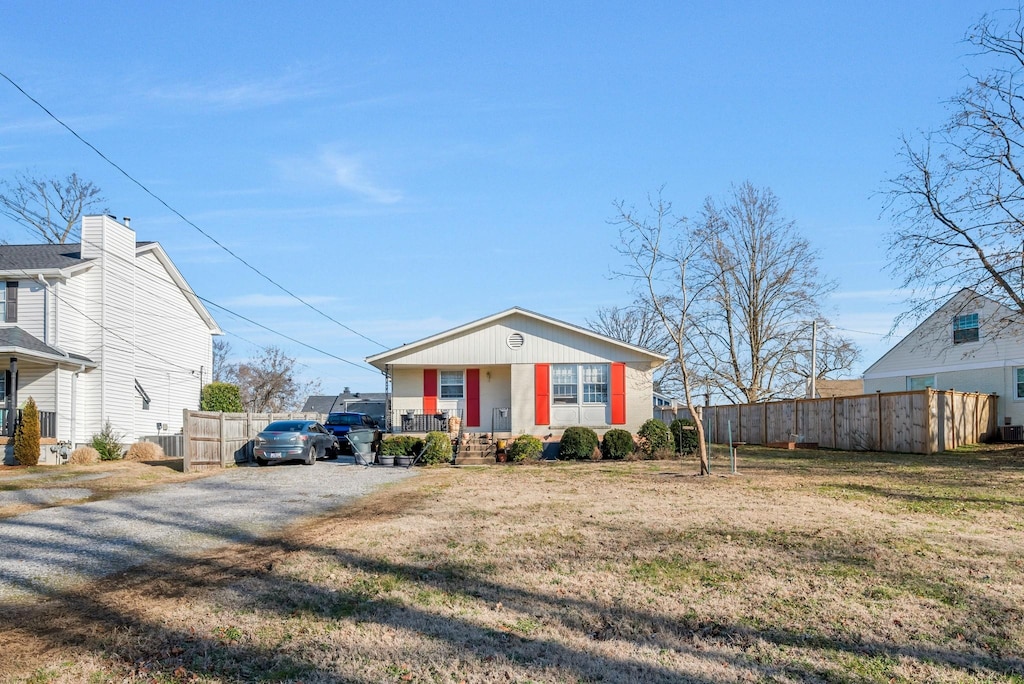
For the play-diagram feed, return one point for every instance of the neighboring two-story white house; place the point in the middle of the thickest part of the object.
(103, 330)
(970, 344)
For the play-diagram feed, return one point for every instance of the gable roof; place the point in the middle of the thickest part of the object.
(966, 300)
(382, 359)
(180, 282)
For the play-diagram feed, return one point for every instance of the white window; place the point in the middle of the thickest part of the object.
(3, 301)
(965, 328)
(595, 383)
(569, 382)
(451, 385)
(920, 382)
(1020, 383)
(564, 384)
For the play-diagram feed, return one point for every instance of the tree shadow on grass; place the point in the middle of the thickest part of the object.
(91, 620)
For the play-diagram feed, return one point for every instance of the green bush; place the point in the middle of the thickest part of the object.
(686, 441)
(221, 396)
(525, 447)
(26, 436)
(438, 449)
(108, 443)
(401, 445)
(617, 444)
(654, 437)
(577, 443)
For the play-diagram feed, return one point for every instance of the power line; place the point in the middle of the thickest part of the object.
(183, 218)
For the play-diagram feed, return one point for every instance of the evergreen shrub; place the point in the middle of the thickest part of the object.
(221, 396)
(686, 441)
(26, 436)
(438, 448)
(525, 447)
(617, 444)
(654, 437)
(108, 443)
(577, 442)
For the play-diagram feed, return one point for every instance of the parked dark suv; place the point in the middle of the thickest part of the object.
(340, 423)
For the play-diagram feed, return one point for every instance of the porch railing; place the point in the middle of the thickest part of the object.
(47, 423)
(501, 420)
(417, 421)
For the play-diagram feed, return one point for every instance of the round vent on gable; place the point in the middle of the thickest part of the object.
(514, 341)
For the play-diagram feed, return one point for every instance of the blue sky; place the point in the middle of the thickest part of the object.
(408, 167)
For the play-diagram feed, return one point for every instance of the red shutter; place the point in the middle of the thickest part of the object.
(618, 391)
(472, 397)
(542, 389)
(430, 390)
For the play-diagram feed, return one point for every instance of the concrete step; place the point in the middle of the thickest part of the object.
(474, 460)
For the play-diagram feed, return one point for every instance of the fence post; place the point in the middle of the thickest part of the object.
(879, 394)
(186, 439)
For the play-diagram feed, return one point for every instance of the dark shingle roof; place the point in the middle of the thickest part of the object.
(15, 337)
(32, 257)
(40, 256)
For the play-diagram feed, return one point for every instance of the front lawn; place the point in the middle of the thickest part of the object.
(806, 566)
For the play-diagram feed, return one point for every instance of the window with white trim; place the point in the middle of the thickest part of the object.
(451, 385)
(965, 328)
(3, 301)
(564, 384)
(595, 383)
(571, 382)
(920, 382)
(1020, 383)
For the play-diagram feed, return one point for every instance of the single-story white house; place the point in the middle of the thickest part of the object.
(970, 344)
(102, 330)
(519, 372)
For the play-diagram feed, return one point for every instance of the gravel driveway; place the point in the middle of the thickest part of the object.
(58, 547)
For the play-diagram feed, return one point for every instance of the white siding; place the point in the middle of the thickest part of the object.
(984, 366)
(175, 349)
(36, 381)
(542, 343)
(30, 308)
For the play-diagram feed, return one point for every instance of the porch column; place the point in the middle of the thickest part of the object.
(11, 403)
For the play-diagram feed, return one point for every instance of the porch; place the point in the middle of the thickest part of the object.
(415, 420)
(47, 423)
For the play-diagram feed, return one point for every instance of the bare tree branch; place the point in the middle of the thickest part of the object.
(50, 206)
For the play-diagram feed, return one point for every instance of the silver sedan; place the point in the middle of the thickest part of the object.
(294, 440)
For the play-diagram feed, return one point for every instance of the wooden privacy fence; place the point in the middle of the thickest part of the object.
(919, 422)
(218, 440)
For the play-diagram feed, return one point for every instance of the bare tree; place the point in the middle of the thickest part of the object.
(638, 324)
(223, 369)
(659, 249)
(50, 206)
(764, 289)
(267, 382)
(958, 207)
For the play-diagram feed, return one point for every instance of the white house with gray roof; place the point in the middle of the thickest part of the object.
(97, 331)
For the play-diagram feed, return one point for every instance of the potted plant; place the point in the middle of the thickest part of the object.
(392, 447)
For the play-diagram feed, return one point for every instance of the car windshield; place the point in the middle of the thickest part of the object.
(285, 426)
(344, 419)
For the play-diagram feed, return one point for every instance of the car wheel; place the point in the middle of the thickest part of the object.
(261, 462)
(311, 456)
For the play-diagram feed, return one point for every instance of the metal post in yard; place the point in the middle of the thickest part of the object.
(732, 449)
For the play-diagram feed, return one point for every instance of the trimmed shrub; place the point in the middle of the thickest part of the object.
(26, 436)
(525, 447)
(686, 441)
(221, 396)
(654, 437)
(108, 443)
(438, 449)
(617, 444)
(400, 445)
(577, 443)
(84, 455)
(144, 451)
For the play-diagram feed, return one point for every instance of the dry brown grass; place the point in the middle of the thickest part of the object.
(118, 477)
(144, 451)
(84, 455)
(808, 566)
